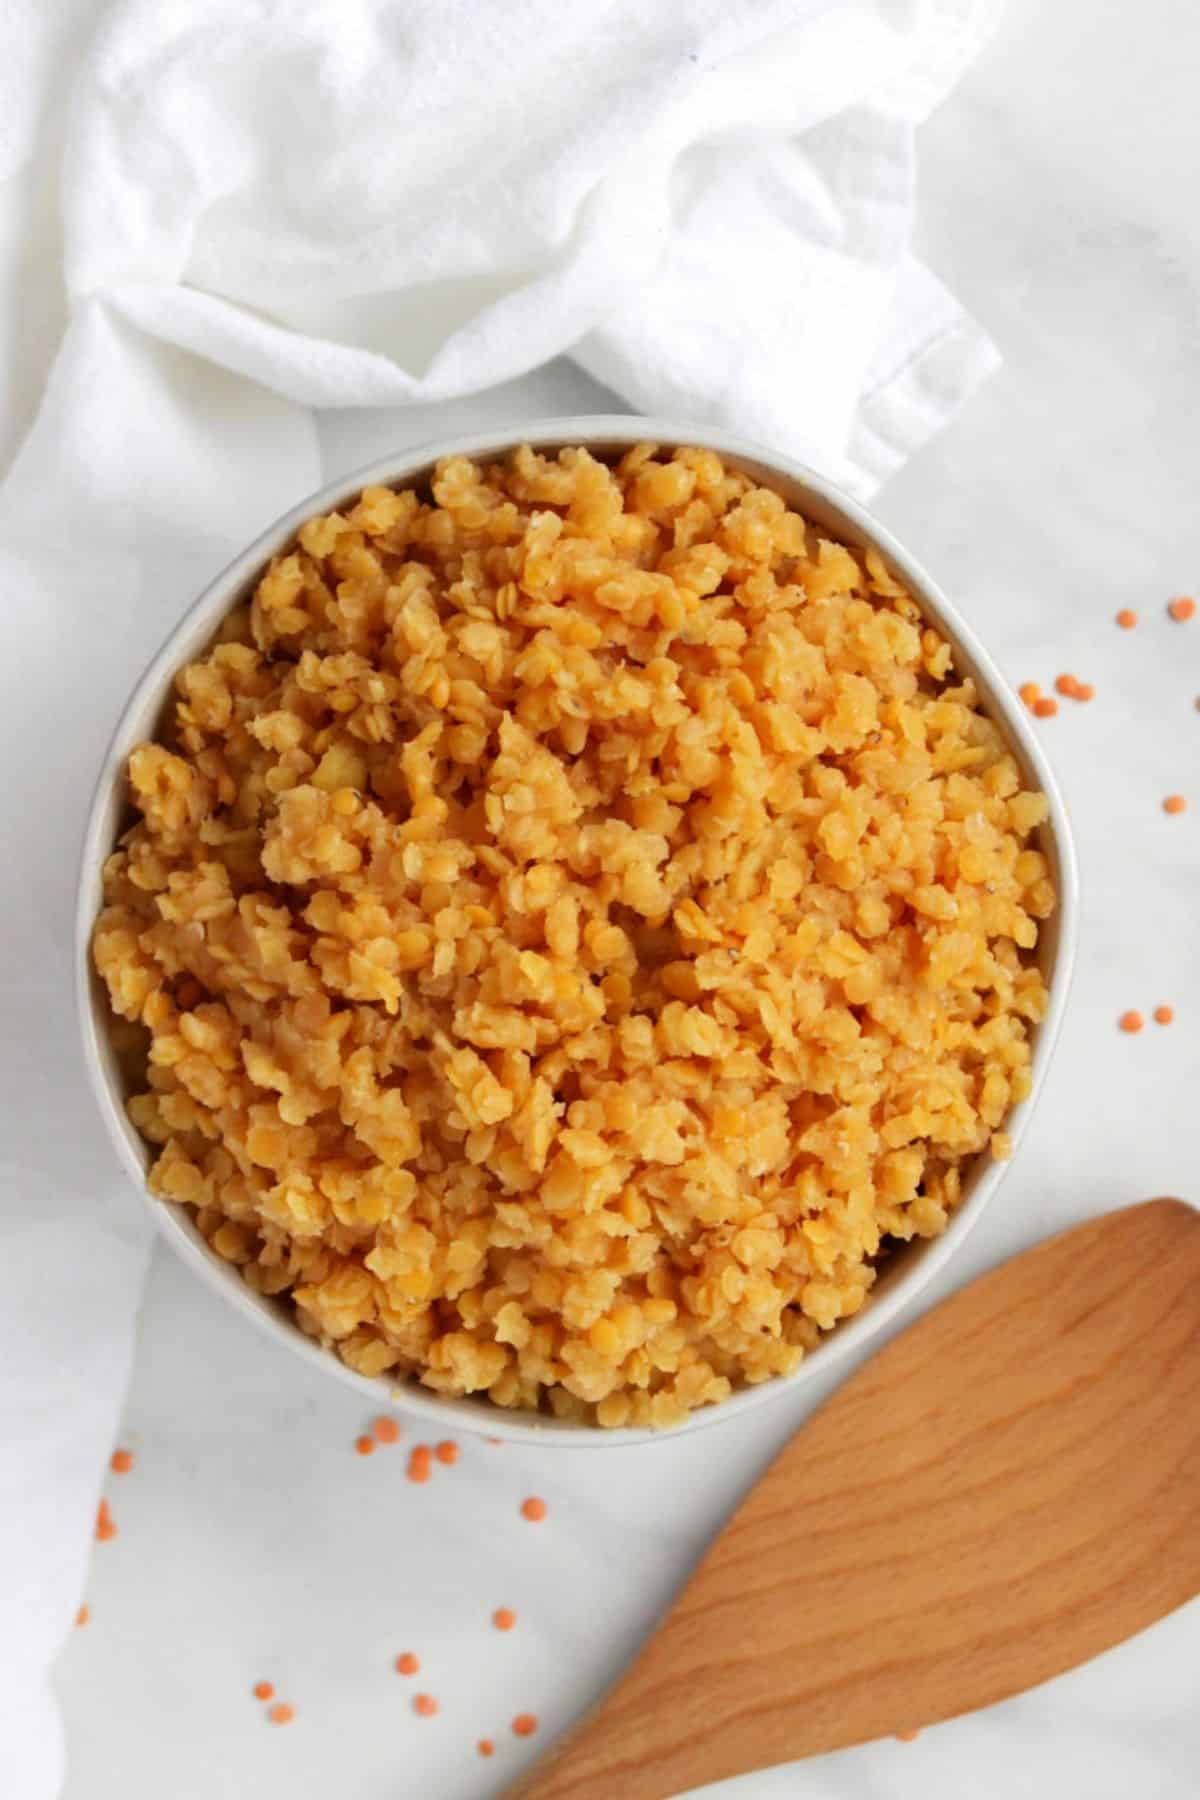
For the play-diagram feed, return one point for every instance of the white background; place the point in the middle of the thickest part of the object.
(1059, 202)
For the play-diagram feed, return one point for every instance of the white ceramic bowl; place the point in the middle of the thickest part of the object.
(912, 1266)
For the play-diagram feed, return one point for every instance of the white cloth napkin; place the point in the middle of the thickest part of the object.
(268, 207)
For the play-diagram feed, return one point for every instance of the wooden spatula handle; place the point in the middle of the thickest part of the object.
(1011, 1486)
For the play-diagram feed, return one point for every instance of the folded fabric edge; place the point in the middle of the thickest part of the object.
(915, 401)
(950, 36)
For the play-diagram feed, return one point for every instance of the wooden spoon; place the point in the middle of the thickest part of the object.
(1010, 1487)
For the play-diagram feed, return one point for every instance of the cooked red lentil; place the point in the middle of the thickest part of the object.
(580, 919)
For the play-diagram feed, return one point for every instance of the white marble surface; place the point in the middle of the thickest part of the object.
(1058, 201)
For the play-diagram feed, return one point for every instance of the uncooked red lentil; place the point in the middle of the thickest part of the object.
(282, 1714)
(486, 1747)
(533, 1509)
(264, 1690)
(420, 1463)
(1164, 1015)
(525, 1724)
(425, 1704)
(386, 1430)
(1174, 803)
(121, 1461)
(407, 1663)
(1131, 1021)
(1046, 707)
(1030, 692)
(1182, 609)
(907, 1737)
(579, 919)
(364, 1445)
(504, 1618)
(105, 1523)
(447, 1451)
(1072, 688)
(1126, 619)
(83, 1615)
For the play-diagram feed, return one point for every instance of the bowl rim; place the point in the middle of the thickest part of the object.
(840, 513)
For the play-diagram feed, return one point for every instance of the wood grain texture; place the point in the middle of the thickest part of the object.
(1010, 1487)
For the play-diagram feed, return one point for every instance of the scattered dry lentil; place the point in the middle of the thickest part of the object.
(105, 1523)
(1127, 619)
(907, 1737)
(447, 1451)
(425, 1704)
(1131, 1021)
(533, 1509)
(282, 1714)
(364, 1445)
(407, 1663)
(420, 1463)
(121, 1461)
(486, 1747)
(1163, 1015)
(552, 899)
(1073, 689)
(1182, 609)
(525, 1724)
(1030, 692)
(386, 1429)
(504, 1618)
(1174, 803)
(83, 1615)
(264, 1690)
(1045, 708)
